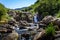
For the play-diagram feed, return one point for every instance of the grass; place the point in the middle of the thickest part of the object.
(50, 30)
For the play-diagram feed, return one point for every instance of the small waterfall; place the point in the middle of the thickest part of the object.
(35, 18)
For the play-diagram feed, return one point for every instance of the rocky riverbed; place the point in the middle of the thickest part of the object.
(28, 32)
(23, 30)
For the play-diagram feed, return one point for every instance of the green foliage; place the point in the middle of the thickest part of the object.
(3, 14)
(58, 14)
(2, 11)
(42, 6)
(50, 30)
(45, 14)
(50, 6)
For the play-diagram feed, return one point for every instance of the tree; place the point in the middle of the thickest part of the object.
(48, 7)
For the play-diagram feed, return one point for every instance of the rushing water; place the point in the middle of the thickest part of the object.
(25, 31)
(35, 18)
(22, 31)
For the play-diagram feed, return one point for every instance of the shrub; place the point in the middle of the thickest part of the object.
(58, 14)
(50, 30)
(3, 14)
(2, 11)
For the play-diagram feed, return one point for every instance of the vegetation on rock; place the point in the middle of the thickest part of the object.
(50, 30)
(3, 14)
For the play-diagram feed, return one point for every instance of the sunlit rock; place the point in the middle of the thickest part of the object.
(39, 35)
(47, 19)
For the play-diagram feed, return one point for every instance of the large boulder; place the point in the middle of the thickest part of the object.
(57, 21)
(11, 36)
(57, 35)
(47, 19)
(26, 36)
(23, 23)
(17, 18)
(39, 35)
(12, 13)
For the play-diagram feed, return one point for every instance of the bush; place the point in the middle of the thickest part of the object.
(3, 14)
(50, 30)
(49, 6)
(58, 14)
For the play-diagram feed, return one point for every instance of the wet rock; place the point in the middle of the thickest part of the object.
(26, 36)
(12, 13)
(12, 21)
(11, 36)
(57, 39)
(28, 16)
(57, 21)
(5, 29)
(23, 23)
(30, 29)
(56, 27)
(57, 32)
(42, 25)
(41, 29)
(22, 27)
(57, 35)
(42, 36)
(39, 35)
(17, 18)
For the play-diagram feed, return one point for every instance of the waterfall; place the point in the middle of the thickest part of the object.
(35, 18)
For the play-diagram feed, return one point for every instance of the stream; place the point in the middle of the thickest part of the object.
(25, 31)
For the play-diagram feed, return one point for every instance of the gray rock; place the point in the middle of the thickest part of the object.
(39, 35)
(47, 19)
(11, 36)
(57, 21)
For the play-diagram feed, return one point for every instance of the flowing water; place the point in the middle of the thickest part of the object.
(24, 31)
